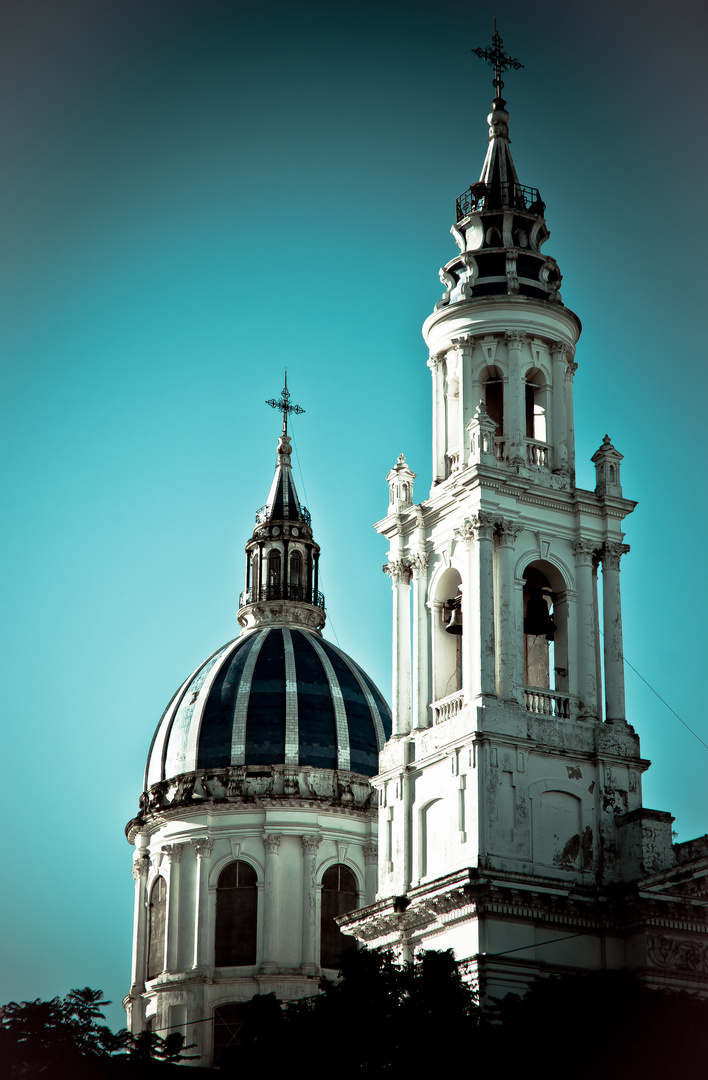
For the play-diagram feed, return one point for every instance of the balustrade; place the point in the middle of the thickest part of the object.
(546, 702)
(447, 707)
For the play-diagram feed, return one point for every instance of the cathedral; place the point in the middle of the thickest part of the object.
(496, 809)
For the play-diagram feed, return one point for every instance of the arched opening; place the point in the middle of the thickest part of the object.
(493, 389)
(296, 581)
(339, 895)
(545, 629)
(156, 928)
(236, 914)
(228, 1021)
(447, 635)
(536, 402)
(273, 574)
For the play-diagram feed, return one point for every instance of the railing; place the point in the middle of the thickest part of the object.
(447, 707)
(453, 461)
(481, 196)
(537, 453)
(280, 592)
(546, 702)
(500, 448)
(303, 515)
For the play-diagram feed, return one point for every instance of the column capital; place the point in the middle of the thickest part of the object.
(371, 854)
(584, 551)
(507, 532)
(562, 352)
(419, 563)
(465, 341)
(476, 527)
(514, 339)
(399, 570)
(435, 361)
(611, 553)
(173, 852)
(140, 867)
(310, 843)
(570, 368)
(203, 846)
(271, 842)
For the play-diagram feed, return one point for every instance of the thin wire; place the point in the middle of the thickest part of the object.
(661, 699)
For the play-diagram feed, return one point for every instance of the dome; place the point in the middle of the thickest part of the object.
(278, 695)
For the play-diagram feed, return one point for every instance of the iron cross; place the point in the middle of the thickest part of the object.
(283, 402)
(498, 59)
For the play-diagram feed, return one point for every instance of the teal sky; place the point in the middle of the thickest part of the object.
(195, 194)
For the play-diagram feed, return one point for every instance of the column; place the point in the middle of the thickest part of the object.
(420, 714)
(598, 639)
(467, 401)
(437, 367)
(586, 642)
(612, 620)
(310, 960)
(400, 573)
(570, 369)
(515, 411)
(271, 845)
(174, 854)
(203, 847)
(371, 863)
(558, 436)
(140, 873)
(478, 660)
(508, 639)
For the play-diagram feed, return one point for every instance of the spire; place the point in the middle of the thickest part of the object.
(283, 503)
(500, 224)
(282, 559)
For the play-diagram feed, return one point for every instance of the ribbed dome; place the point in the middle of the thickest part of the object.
(275, 696)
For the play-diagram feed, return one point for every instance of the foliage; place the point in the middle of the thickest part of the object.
(384, 1019)
(373, 1022)
(63, 1037)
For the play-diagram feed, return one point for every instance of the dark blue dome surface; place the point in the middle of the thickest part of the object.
(276, 696)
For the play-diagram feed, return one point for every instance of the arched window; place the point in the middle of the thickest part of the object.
(236, 907)
(447, 635)
(296, 574)
(228, 1021)
(494, 399)
(539, 629)
(274, 570)
(255, 581)
(156, 928)
(339, 895)
(536, 393)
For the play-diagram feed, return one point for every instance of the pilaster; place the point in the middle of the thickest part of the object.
(140, 870)
(516, 401)
(421, 642)
(508, 634)
(174, 855)
(584, 551)
(400, 574)
(310, 846)
(203, 847)
(478, 654)
(271, 845)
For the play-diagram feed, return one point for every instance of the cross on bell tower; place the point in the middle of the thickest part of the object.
(284, 404)
(498, 59)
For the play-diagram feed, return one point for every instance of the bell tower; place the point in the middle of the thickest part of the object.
(510, 792)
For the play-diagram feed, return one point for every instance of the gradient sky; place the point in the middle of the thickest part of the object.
(197, 193)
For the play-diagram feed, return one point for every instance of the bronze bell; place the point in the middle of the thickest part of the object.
(538, 621)
(452, 614)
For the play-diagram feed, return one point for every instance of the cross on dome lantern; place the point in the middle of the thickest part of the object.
(498, 59)
(283, 403)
